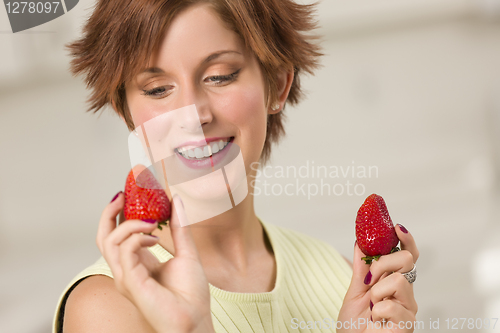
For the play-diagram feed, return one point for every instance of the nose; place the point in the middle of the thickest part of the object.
(193, 122)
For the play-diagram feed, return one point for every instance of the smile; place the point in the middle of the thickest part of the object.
(202, 152)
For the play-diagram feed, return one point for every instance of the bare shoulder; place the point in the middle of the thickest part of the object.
(95, 305)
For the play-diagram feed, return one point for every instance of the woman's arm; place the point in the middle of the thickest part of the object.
(95, 305)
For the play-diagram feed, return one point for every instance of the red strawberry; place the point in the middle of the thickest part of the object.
(145, 199)
(375, 232)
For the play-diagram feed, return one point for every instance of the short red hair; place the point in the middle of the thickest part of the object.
(120, 37)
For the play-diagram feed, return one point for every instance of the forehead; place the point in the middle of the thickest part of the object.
(194, 33)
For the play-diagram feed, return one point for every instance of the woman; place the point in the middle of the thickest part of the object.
(239, 62)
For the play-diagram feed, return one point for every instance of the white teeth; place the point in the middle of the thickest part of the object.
(202, 152)
(206, 152)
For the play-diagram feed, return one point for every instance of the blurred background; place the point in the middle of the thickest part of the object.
(410, 88)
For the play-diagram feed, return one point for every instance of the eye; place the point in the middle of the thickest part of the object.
(221, 79)
(155, 92)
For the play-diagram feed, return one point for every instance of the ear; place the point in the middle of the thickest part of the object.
(285, 80)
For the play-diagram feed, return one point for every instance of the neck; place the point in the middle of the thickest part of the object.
(232, 236)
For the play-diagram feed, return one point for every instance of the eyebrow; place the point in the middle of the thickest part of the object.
(213, 56)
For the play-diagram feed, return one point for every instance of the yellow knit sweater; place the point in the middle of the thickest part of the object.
(312, 279)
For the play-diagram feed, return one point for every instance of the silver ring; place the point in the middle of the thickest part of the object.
(411, 276)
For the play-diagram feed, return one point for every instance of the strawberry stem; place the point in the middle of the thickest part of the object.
(165, 223)
(368, 259)
(395, 249)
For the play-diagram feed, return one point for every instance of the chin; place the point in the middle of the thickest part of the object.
(204, 197)
(210, 188)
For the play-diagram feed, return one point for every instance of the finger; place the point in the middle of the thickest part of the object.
(133, 272)
(394, 315)
(107, 223)
(360, 270)
(401, 261)
(384, 275)
(121, 217)
(397, 288)
(126, 230)
(111, 244)
(407, 241)
(137, 281)
(181, 233)
(129, 250)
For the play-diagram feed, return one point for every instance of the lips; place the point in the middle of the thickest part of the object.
(213, 157)
(192, 152)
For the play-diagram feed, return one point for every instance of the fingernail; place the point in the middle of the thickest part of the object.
(371, 305)
(355, 242)
(368, 277)
(403, 229)
(149, 220)
(371, 319)
(153, 236)
(116, 196)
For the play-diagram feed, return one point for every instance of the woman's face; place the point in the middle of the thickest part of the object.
(202, 63)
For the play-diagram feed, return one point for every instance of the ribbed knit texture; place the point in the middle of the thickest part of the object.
(312, 279)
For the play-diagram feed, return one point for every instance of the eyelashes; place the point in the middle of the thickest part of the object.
(224, 78)
(216, 80)
(154, 91)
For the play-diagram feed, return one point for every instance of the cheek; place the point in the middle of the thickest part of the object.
(140, 110)
(247, 114)
(246, 109)
(135, 110)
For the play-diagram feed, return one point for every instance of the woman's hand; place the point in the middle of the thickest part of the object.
(173, 296)
(380, 292)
